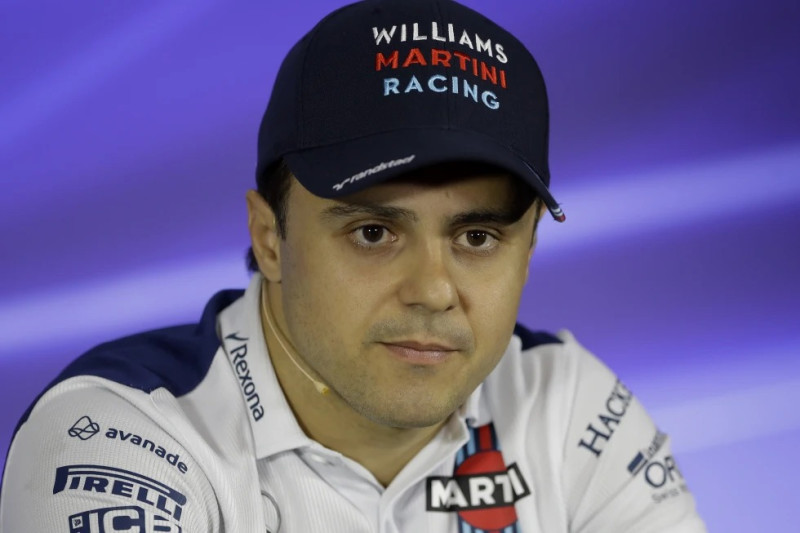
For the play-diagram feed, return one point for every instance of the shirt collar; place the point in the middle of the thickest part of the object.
(274, 426)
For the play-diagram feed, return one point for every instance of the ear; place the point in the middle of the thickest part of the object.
(264, 236)
(541, 211)
(528, 264)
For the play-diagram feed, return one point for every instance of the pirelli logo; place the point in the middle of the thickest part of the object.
(121, 483)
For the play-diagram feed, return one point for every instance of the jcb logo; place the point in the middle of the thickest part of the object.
(128, 519)
(109, 520)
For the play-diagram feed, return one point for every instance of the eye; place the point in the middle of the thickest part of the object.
(372, 235)
(478, 240)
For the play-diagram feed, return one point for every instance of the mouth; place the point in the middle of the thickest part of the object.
(420, 353)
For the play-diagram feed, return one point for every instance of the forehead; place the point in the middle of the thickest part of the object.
(451, 183)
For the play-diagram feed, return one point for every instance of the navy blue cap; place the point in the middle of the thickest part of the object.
(380, 88)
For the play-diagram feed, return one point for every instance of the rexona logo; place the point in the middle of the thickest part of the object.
(83, 429)
(238, 360)
(118, 482)
(130, 519)
(483, 490)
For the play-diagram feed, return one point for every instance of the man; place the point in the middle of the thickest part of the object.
(371, 377)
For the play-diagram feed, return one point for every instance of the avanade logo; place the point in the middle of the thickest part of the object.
(136, 440)
(85, 429)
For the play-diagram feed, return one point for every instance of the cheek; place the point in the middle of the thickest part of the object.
(494, 305)
(321, 294)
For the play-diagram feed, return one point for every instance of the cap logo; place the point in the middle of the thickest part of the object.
(380, 167)
(481, 45)
(469, 72)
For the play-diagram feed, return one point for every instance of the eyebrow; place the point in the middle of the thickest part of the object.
(371, 210)
(486, 216)
(489, 216)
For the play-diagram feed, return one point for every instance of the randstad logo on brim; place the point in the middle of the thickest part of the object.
(84, 428)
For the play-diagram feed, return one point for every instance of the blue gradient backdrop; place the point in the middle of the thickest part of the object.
(127, 140)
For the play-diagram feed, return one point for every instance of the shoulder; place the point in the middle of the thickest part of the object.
(90, 450)
(590, 436)
(118, 427)
(529, 339)
(535, 361)
(531, 391)
(175, 358)
(554, 367)
(586, 405)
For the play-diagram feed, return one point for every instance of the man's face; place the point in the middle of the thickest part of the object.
(403, 297)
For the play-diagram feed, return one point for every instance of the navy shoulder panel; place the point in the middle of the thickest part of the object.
(175, 358)
(531, 339)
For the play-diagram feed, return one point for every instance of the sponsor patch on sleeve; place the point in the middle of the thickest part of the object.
(130, 519)
(661, 474)
(602, 428)
(155, 495)
(85, 428)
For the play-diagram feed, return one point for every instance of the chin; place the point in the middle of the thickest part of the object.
(408, 413)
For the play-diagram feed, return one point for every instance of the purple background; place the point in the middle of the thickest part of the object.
(127, 140)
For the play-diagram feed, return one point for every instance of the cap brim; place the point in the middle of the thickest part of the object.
(350, 166)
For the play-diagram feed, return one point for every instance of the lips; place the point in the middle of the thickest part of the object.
(420, 353)
(423, 346)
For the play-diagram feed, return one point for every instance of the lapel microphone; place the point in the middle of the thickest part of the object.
(321, 387)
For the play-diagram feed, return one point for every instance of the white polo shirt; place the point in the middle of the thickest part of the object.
(186, 429)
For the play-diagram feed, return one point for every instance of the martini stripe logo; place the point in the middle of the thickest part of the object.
(482, 490)
(440, 59)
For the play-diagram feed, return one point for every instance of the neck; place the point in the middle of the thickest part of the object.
(324, 415)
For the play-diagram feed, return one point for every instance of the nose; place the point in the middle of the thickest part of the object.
(428, 282)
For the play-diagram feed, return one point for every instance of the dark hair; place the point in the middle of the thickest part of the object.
(273, 185)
